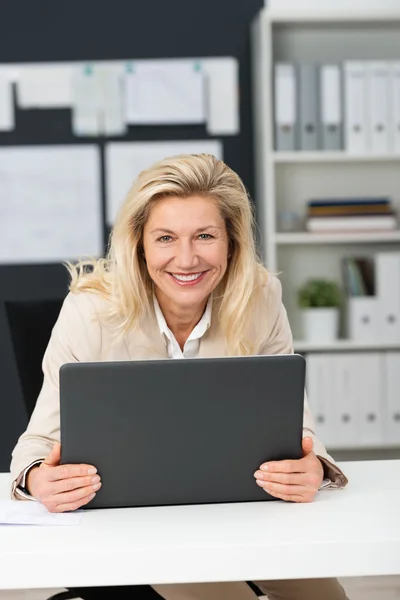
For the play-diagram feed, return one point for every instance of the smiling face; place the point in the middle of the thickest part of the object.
(186, 248)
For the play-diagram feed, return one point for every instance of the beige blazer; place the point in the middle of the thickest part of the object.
(80, 334)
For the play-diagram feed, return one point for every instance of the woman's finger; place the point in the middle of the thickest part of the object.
(75, 495)
(72, 505)
(290, 497)
(286, 478)
(283, 489)
(74, 483)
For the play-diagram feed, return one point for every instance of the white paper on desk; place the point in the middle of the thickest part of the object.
(44, 86)
(7, 120)
(50, 203)
(125, 160)
(165, 91)
(34, 513)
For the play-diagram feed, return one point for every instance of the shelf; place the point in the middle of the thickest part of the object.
(305, 238)
(303, 346)
(332, 17)
(331, 157)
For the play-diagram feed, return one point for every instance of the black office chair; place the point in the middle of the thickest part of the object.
(30, 324)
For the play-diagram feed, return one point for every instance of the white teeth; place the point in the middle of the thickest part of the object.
(186, 277)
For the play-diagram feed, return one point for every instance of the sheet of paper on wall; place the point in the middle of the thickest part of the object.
(50, 204)
(87, 100)
(223, 95)
(7, 118)
(125, 160)
(44, 86)
(165, 92)
(113, 106)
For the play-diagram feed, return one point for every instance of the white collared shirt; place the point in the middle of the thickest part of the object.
(192, 345)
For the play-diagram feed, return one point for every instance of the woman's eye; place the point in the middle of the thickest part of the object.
(165, 238)
(205, 236)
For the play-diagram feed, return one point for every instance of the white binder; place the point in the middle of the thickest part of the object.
(319, 390)
(308, 107)
(392, 385)
(369, 392)
(346, 415)
(285, 107)
(387, 278)
(378, 106)
(355, 107)
(331, 107)
(362, 316)
(394, 107)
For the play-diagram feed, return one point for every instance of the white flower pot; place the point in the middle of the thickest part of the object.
(320, 324)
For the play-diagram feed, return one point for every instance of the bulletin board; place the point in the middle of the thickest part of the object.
(45, 32)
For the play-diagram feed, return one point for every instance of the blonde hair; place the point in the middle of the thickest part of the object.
(122, 276)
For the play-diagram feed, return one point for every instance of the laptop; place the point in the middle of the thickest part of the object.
(182, 431)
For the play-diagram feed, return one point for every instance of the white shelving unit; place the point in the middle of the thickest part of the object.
(286, 180)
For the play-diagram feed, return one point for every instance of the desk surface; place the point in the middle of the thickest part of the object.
(351, 532)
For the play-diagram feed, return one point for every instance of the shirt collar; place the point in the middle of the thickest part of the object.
(198, 331)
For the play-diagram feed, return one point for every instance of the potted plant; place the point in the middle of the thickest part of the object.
(320, 300)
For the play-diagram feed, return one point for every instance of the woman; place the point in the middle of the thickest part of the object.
(181, 279)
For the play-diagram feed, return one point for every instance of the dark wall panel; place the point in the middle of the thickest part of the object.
(46, 31)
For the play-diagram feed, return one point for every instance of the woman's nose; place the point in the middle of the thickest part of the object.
(186, 257)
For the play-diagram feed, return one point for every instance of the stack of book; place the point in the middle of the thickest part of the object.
(342, 215)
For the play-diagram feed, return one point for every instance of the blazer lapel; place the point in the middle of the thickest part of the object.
(212, 344)
(149, 343)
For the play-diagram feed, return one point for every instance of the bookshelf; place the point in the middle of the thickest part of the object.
(286, 180)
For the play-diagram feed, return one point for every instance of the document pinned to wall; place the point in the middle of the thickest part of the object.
(165, 92)
(125, 160)
(97, 101)
(50, 204)
(44, 86)
(184, 91)
(7, 118)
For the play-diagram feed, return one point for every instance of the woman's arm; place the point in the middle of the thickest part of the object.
(280, 341)
(76, 337)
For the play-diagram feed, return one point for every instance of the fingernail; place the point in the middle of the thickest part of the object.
(95, 479)
(91, 496)
(259, 482)
(264, 468)
(258, 474)
(97, 486)
(92, 471)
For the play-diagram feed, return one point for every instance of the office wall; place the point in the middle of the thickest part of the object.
(44, 30)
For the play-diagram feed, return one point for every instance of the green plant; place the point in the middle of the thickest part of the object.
(319, 293)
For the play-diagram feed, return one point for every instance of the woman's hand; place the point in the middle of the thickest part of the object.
(293, 480)
(62, 487)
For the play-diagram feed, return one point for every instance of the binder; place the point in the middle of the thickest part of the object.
(331, 125)
(362, 315)
(392, 398)
(285, 107)
(355, 107)
(387, 276)
(369, 392)
(319, 381)
(378, 106)
(346, 416)
(394, 107)
(308, 106)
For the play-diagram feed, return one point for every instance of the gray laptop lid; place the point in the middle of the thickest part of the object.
(181, 431)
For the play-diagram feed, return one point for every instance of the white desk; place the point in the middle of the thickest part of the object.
(352, 532)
